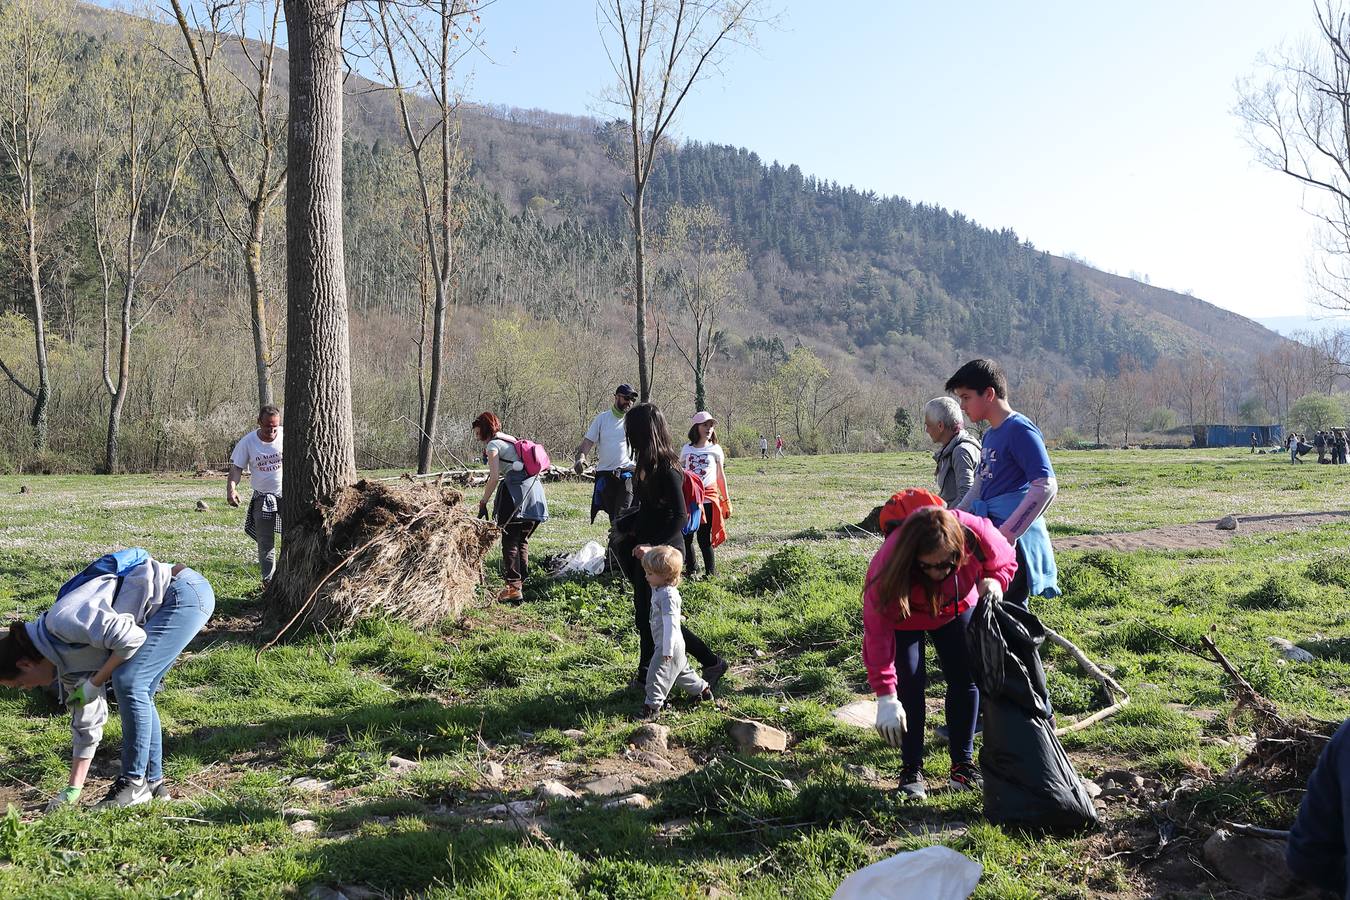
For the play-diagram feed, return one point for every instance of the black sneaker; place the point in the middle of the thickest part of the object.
(713, 674)
(649, 713)
(912, 786)
(966, 777)
(125, 792)
(159, 790)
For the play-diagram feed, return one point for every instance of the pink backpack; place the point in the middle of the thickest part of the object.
(534, 457)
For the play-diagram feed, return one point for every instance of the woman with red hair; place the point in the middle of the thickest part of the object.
(932, 569)
(518, 502)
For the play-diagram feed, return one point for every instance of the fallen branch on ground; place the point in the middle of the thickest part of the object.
(1115, 694)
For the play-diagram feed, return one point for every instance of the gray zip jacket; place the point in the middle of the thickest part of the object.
(956, 464)
(91, 623)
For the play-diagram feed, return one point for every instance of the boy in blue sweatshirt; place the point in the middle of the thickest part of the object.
(1014, 482)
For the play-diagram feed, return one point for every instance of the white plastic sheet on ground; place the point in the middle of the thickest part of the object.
(589, 560)
(933, 873)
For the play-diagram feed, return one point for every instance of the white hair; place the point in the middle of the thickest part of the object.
(943, 411)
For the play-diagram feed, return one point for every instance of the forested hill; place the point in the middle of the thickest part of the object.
(851, 267)
(878, 280)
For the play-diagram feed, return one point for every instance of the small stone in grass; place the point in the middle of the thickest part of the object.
(651, 737)
(493, 771)
(629, 801)
(756, 737)
(1228, 523)
(305, 826)
(555, 790)
(201, 506)
(312, 785)
(402, 766)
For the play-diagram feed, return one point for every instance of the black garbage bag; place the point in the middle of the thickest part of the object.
(1028, 778)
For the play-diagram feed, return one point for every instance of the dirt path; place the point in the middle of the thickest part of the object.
(1199, 536)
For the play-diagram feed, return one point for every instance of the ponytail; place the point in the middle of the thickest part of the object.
(15, 646)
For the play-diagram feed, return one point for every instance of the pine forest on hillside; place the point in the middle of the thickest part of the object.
(793, 305)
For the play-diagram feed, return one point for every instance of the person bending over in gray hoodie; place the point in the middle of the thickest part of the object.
(126, 627)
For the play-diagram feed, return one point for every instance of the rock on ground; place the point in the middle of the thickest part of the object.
(492, 771)
(1289, 650)
(1228, 523)
(520, 808)
(305, 826)
(756, 737)
(629, 801)
(651, 737)
(311, 785)
(555, 790)
(859, 713)
(201, 506)
(574, 734)
(400, 766)
(610, 785)
(862, 773)
(655, 761)
(1256, 865)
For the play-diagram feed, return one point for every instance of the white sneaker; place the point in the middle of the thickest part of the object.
(126, 792)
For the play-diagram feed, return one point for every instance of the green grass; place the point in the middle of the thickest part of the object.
(784, 607)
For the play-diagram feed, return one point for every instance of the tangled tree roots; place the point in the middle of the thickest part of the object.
(409, 551)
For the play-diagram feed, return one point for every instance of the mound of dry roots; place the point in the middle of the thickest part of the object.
(409, 551)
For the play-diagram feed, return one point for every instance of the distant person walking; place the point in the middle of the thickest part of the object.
(1320, 445)
(778, 444)
(1253, 441)
(763, 447)
(613, 491)
(703, 457)
(259, 452)
(1294, 442)
(958, 454)
(518, 502)
(1341, 446)
(657, 517)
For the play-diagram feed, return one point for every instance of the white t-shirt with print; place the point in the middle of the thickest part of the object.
(705, 462)
(611, 444)
(261, 459)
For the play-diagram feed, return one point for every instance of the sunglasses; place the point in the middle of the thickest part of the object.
(946, 568)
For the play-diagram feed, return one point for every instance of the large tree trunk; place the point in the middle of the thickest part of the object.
(320, 454)
(427, 442)
(111, 460)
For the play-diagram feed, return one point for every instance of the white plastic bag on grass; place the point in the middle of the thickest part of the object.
(933, 873)
(589, 560)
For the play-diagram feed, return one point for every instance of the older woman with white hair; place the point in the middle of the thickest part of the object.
(959, 451)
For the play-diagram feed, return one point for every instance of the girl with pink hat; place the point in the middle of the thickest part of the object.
(704, 458)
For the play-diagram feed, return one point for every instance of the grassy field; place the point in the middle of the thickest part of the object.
(503, 685)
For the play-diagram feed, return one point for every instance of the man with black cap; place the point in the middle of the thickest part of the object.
(613, 458)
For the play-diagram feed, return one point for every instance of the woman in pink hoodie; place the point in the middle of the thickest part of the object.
(934, 566)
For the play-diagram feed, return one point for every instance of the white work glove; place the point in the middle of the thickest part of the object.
(85, 692)
(890, 719)
(990, 590)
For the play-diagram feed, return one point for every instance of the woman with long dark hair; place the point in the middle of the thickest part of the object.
(657, 516)
(518, 502)
(923, 583)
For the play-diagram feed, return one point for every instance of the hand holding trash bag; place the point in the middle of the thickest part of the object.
(890, 719)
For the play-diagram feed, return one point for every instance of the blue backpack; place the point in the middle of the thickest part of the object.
(119, 563)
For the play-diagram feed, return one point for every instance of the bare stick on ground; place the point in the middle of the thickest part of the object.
(1115, 694)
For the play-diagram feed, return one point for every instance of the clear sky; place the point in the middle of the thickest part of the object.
(1104, 130)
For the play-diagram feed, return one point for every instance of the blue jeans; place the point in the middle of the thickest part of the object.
(187, 605)
(963, 696)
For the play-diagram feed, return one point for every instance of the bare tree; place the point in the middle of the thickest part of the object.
(35, 80)
(321, 456)
(659, 49)
(244, 121)
(1098, 400)
(1131, 389)
(421, 44)
(1284, 373)
(702, 266)
(143, 234)
(1298, 121)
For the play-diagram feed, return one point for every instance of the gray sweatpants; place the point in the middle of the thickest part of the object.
(664, 675)
(263, 525)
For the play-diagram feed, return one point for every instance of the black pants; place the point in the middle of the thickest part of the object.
(962, 699)
(1019, 592)
(642, 612)
(704, 545)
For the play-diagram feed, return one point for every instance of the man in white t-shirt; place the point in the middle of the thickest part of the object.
(613, 458)
(259, 452)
